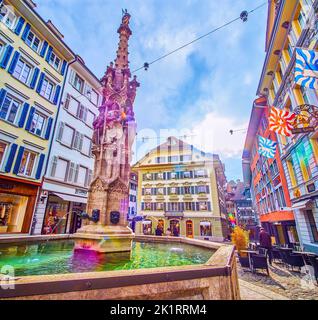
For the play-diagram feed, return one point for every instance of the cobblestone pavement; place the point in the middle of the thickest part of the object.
(291, 284)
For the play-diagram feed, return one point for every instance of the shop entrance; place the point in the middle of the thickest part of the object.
(175, 227)
(189, 229)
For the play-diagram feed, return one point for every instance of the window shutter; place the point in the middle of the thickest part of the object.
(192, 190)
(169, 190)
(71, 77)
(207, 189)
(142, 206)
(164, 175)
(18, 161)
(26, 31)
(48, 55)
(60, 133)
(90, 176)
(39, 87)
(14, 62)
(81, 138)
(29, 122)
(23, 116)
(168, 175)
(12, 153)
(43, 50)
(6, 57)
(209, 206)
(196, 190)
(48, 128)
(86, 178)
(63, 67)
(76, 140)
(3, 93)
(67, 101)
(40, 166)
(85, 114)
(53, 167)
(143, 191)
(197, 208)
(71, 172)
(34, 77)
(76, 173)
(57, 94)
(19, 26)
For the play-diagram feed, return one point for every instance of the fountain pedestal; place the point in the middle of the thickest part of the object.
(105, 229)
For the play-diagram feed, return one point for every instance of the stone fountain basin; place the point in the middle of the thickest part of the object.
(216, 279)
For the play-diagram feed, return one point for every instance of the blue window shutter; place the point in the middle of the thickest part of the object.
(6, 57)
(3, 93)
(14, 61)
(207, 189)
(26, 31)
(19, 26)
(43, 50)
(23, 115)
(34, 78)
(29, 122)
(18, 160)
(39, 87)
(209, 206)
(48, 55)
(48, 129)
(57, 94)
(40, 166)
(63, 67)
(9, 163)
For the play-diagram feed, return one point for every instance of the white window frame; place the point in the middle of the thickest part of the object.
(89, 148)
(27, 163)
(52, 61)
(66, 173)
(13, 99)
(31, 44)
(5, 17)
(19, 76)
(76, 77)
(43, 93)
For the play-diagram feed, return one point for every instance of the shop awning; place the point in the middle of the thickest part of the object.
(67, 197)
(146, 222)
(300, 204)
(205, 223)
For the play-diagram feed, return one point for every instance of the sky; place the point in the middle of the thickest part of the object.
(201, 92)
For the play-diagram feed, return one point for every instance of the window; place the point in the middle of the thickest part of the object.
(33, 41)
(200, 173)
(301, 19)
(160, 191)
(148, 191)
(201, 189)
(82, 172)
(160, 159)
(55, 61)
(82, 113)
(173, 175)
(304, 94)
(9, 109)
(173, 190)
(187, 190)
(93, 97)
(186, 174)
(90, 118)
(78, 83)
(187, 158)
(37, 125)
(61, 169)
(73, 106)
(27, 163)
(160, 206)
(1, 48)
(174, 159)
(3, 147)
(47, 89)
(312, 225)
(160, 176)
(86, 147)
(67, 135)
(203, 206)
(290, 49)
(7, 16)
(22, 71)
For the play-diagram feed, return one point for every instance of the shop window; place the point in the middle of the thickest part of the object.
(205, 229)
(147, 227)
(10, 109)
(12, 212)
(37, 124)
(56, 215)
(3, 148)
(292, 234)
(27, 163)
(312, 225)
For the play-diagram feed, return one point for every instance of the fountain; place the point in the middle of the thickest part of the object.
(105, 228)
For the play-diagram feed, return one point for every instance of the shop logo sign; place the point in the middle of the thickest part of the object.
(7, 278)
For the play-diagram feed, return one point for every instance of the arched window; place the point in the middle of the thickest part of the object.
(205, 229)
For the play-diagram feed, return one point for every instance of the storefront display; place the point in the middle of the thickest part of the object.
(205, 229)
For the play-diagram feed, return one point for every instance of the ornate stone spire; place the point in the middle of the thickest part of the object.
(124, 31)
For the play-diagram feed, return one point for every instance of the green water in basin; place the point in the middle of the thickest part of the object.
(54, 257)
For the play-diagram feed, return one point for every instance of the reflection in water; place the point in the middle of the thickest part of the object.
(58, 257)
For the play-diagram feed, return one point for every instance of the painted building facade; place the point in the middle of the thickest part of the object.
(293, 24)
(33, 63)
(70, 166)
(132, 207)
(182, 188)
(266, 178)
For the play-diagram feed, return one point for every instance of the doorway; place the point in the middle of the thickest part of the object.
(175, 227)
(189, 229)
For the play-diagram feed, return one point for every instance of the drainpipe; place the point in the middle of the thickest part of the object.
(50, 146)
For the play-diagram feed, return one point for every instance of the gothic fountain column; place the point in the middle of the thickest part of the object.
(105, 228)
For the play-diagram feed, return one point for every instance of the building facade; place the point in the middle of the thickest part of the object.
(132, 207)
(33, 63)
(293, 24)
(266, 177)
(182, 188)
(70, 166)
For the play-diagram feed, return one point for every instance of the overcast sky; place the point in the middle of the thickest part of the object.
(204, 90)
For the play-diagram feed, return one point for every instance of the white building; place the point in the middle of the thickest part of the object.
(70, 165)
(132, 209)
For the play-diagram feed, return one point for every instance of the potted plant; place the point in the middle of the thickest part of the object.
(240, 238)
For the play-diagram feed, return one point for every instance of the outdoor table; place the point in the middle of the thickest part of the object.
(306, 253)
(249, 252)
